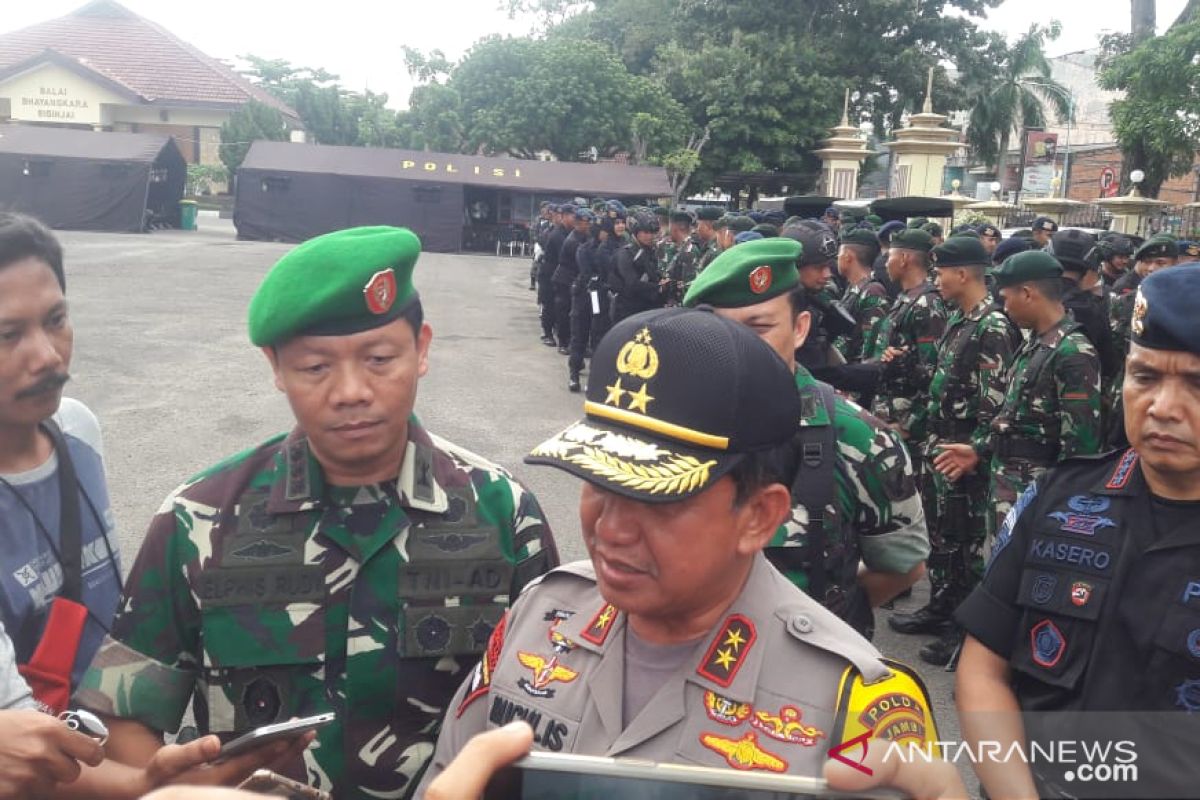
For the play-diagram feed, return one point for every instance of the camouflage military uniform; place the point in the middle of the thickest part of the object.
(1051, 411)
(665, 250)
(965, 394)
(915, 322)
(874, 516)
(1120, 317)
(683, 268)
(708, 254)
(262, 594)
(867, 302)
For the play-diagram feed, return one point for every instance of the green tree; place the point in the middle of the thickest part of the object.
(1157, 122)
(767, 78)
(1014, 97)
(330, 113)
(252, 122)
(522, 96)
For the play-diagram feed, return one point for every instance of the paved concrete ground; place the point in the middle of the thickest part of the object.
(161, 355)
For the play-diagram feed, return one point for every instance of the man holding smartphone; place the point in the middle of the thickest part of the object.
(678, 641)
(356, 565)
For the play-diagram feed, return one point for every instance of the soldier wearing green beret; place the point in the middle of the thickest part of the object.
(904, 347)
(355, 565)
(965, 394)
(858, 500)
(706, 236)
(679, 257)
(866, 298)
(1051, 408)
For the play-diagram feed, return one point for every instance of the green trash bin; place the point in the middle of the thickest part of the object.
(187, 215)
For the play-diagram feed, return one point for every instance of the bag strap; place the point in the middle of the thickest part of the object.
(69, 524)
(813, 488)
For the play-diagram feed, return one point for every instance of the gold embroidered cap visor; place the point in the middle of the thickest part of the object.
(676, 398)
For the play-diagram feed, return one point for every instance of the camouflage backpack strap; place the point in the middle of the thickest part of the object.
(1039, 361)
(813, 488)
(966, 359)
(908, 312)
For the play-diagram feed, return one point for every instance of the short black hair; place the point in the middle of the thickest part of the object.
(762, 468)
(414, 314)
(1049, 288)
(798, 298)
(862, 253)
(22, 236)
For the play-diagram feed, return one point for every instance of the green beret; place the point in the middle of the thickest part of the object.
(1164, 311)
(970, 233)
(724, 222)
(918, 222)
(1161, 246)
(912, 239)
(682, 217)
(933, 229)
(874, 219)
(709, 213)
(661, 211)
(340, 283)
(736, 222)
(960, 251)
(1031, 265)
(751, 273)
(861, 236)
(766, 229)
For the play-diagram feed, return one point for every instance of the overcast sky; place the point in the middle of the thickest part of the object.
(360, 40)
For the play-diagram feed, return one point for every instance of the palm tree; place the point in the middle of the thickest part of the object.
(1015, 97)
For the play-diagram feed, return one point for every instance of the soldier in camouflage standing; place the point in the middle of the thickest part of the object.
(904, 347)
(964, 396)
(866, 298)
(680, 269)
(853, 491)
(355, 566)
(1051, 407)
(706, 236)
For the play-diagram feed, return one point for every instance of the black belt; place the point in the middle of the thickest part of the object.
(1028, 449)
(953, 428)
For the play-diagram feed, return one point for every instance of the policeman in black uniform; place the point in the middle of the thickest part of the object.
(565, 274)
(1091, 601)
(635, 281)
(1076, 251)
(829, 319)
(552, 250)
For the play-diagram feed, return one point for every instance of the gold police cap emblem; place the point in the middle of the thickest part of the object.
(638, 357)
(1140, 307)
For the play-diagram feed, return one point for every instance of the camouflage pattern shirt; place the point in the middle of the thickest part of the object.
(1054, 398)
(682, 269)
(708, 254)
(260, 593)
(875, 515)
(915, 322)
(968, 383)
(867, 302)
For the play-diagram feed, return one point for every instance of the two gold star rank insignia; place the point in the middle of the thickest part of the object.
(727, 651)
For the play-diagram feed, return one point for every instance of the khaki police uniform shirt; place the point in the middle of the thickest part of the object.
(760, 692)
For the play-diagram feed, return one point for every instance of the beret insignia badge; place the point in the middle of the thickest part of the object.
(380, 291)
(760, 279)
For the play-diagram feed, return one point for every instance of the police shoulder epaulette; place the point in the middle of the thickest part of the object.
(576, 571)
(1106, 455)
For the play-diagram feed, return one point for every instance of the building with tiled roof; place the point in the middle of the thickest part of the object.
(103, 67)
